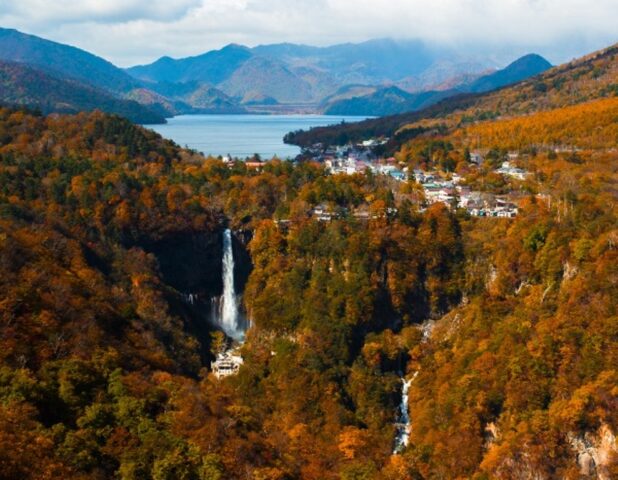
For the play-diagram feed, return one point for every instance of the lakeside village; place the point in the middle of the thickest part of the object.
(436, 186)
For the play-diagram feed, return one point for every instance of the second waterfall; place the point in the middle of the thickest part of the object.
(226, 307)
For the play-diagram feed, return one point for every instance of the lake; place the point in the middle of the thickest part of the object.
(242, 135)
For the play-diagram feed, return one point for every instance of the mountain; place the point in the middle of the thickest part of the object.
(346, 92)
(292, 73)
(592, 76)
(212, 67)
(393, 100)
(386, 101)
(64, 61)
(162, 105)
(373, 61)
(262, 76)
(24, 85)
(207, 99)
(525, 67)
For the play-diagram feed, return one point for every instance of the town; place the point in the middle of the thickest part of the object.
(436, 186)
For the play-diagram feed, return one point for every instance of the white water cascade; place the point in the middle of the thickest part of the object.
(404, 426)
(226, 307)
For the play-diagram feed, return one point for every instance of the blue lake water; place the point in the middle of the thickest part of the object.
(242, 135)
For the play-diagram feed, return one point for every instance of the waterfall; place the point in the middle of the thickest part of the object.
(404, 426)
(227, 315)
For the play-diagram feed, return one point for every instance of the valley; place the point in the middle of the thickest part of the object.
(204, 279)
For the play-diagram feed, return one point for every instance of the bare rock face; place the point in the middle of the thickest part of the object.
(594, 452)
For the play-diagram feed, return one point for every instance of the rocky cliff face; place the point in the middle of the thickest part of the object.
(191, 265)
(595, 452)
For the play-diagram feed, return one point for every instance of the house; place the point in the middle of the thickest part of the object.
(398, 175)
(386, 169)
(323, 214)
(476, 157)
(255, 165)
(510, 170)
(227, 363)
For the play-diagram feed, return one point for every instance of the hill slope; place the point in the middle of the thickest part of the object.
(64, 60)
(27, 86)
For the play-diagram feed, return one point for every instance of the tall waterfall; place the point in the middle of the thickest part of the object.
(404, 426)
(227, 315)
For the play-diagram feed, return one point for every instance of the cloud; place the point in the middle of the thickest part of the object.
(137, 31)
(44, 12)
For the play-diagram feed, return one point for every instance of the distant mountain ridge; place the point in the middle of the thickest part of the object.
(393, 100)
(291, 73)
(212, 67)
(386, 101)
(377, 77)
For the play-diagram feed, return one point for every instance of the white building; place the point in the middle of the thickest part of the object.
(226, 364)
(511, 171)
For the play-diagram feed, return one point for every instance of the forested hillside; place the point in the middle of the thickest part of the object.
(64, 60)
(35, 89)
(506, 328)
(512, 373)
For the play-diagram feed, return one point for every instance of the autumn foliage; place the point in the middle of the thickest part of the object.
(104, 369)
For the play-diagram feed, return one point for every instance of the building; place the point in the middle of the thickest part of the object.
(511, 171)
(476, 157)
(226, 364)
(398, 175)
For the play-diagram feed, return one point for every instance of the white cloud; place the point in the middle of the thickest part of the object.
(136, 31)
(69, 11)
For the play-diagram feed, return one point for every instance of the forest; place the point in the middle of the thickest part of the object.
(508, 326)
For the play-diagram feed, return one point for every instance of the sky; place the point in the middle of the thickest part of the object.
(130, 32)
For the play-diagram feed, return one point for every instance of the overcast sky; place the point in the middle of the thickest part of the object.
(129, 32)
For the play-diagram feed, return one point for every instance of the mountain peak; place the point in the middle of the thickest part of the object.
(524, 67)
(530, 60)
(234, 46)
